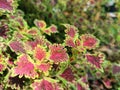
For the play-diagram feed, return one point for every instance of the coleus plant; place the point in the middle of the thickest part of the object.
(48, 65)
(8, 6)
(28, 60)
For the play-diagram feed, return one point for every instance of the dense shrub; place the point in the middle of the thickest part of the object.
(59, 45)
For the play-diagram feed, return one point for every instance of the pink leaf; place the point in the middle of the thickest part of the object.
(33, 31)
(71, 31)
(1, 67)
(32, 44)
(53, 29)
(78, 42)
(68, 75)
(43, 85)
(6, 5)
(70, 42)
(107, 83)
(17, 46)
(44, 67)
(25, 67)
(40, 53)
(47, 31)
(58, 53)
(79, 87)
(84, 79)
(79, 45)
(38, 41)
(89, 41)
(18, 35)
(40, 24)
(95, 60)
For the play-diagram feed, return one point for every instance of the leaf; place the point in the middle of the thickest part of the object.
(53, 29)
(40, 53)
(33, 31)
(68, 75)
(107, 83)
(58, 53)
(22, 24)
(80, 87)
(3, 31)
(89, 41)
(116, 69)
(47, 31)
(70, 42)
(44, 67)
(25, 67)
(43, 85)
(1, 67)
(95, 59)
(71, 31)
(40, 24)
(17, 46)
(6, 5)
